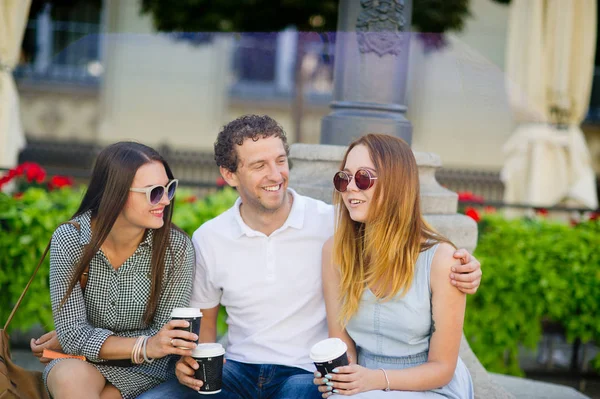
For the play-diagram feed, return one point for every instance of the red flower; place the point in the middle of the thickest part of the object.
(595, 216)
(221, 182)
(12, 173)
(190, 200)
(33, 172)
(60, 181)
(542, 212)
(472, 213)
(4, 180)
(468, 196)
(465, 196)
(18, 196)
(20, 168)
(489, 209)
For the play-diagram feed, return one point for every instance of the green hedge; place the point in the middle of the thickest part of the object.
(533, 271)
(26, 225)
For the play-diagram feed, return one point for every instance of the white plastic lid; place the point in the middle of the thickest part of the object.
(185, 313)
(327, 350)
(208, 350)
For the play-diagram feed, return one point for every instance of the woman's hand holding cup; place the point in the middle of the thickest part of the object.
(171, 340)
(328, 354)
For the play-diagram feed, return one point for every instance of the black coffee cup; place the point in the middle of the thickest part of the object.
(329, 354)
(192, 316)
(210, 370)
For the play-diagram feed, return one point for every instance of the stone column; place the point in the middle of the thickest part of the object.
(371, 65)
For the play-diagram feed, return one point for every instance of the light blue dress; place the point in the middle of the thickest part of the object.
(395, 334)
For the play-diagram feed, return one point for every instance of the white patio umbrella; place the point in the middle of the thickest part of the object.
(549, 63)
(13, 19)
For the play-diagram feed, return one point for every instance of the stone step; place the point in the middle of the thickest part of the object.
(523, 388)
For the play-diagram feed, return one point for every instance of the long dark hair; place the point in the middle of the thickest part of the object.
(106, 196)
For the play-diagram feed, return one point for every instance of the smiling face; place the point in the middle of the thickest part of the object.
(262, 174)
(137, 210)
(358, 201)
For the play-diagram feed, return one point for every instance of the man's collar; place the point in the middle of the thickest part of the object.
(294, 220)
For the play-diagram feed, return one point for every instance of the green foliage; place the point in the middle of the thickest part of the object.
(274, 15)
(191, 213)
(240, 15)
(26, 225)
(534, 271)
(60, 9)
(439, 16)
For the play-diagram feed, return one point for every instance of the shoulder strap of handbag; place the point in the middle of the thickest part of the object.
(82, 281)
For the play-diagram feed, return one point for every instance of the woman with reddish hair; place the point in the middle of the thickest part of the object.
(386, 286)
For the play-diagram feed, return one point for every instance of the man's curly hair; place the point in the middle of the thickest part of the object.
(245, 127)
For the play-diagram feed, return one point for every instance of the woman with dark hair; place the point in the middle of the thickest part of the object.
(386, 286)
(116, 272)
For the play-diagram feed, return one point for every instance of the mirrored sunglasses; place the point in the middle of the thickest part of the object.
(155, 193)
(363, 179)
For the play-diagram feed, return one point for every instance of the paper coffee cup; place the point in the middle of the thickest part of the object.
(329, 354)
(192, 316)
(210, 370)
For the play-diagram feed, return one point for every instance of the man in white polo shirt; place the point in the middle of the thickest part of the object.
(261, 259)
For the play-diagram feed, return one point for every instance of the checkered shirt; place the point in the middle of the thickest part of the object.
(114, 301)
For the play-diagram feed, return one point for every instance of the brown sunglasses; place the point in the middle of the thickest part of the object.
(363, 179)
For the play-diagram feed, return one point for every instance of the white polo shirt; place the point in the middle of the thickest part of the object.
(270, 285)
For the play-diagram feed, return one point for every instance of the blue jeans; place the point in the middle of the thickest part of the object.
(248, 381)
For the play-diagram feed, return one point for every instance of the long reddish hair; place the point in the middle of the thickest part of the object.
(381, 254)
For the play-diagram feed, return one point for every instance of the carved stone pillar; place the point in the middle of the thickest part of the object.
(371, 65)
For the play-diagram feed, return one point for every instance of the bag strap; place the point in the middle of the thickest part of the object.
(83, 280)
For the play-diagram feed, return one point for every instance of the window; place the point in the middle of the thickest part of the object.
(62, 45)
(264, 64)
